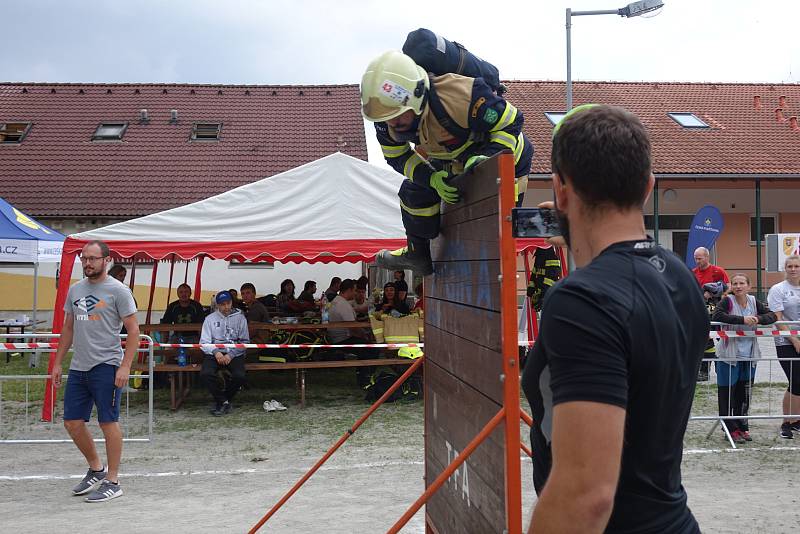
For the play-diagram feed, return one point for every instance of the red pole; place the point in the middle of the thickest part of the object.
(525, 417)
(350, 431)
(64, 278)
(197, 282)
(449, 470)
(510, 351)
(525, 449)
(169, 286)
(152, 292)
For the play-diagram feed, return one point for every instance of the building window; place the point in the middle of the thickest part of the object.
(768, 225)
(206, 131)
(110, 131)
(554, 116)
(688, 120)
(13, 132)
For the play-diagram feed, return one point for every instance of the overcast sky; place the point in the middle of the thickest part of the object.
(316, 41)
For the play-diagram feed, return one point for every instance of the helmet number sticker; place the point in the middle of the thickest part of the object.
(396, 92)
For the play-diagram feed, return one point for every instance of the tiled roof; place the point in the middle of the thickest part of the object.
(741, 140)
(58, 171)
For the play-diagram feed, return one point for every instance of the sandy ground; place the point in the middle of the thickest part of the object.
(203, 474)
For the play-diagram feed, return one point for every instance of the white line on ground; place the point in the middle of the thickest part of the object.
(14, 478)
(747, 449)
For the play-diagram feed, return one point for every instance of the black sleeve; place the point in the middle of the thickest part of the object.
(587, 348)
(169, 315)
(722, 313)
(765, 316)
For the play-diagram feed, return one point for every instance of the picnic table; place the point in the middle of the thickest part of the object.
(180, 384)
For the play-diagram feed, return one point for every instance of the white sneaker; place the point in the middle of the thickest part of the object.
(277, 405)
(268, 406)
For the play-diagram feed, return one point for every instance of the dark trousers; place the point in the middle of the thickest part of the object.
(214, 383)
(363, 374)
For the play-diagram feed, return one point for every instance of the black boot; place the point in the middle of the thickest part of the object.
(416, 256)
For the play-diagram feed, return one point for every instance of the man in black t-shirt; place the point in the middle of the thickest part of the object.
(185, 310)
(612, 375)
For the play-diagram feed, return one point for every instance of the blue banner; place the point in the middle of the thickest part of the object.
(705, 229)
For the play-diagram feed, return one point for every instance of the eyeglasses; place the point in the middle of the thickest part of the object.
(87, 259)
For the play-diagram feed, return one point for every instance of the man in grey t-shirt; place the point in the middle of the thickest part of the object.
(95, 310)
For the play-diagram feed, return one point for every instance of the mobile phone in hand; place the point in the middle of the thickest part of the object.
(534, 222)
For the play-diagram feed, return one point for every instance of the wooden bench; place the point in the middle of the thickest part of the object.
(180, 385)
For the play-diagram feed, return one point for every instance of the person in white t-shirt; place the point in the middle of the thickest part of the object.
(342, 311)
(784, 300)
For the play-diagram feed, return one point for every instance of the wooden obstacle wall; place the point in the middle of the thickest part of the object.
(463, 360)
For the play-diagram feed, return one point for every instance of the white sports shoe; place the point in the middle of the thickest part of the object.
(268, 406)
(277, 405)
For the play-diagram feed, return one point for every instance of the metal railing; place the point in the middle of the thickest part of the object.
(27, 404)
(763, 386)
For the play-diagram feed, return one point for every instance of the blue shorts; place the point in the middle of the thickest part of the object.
(93, 387)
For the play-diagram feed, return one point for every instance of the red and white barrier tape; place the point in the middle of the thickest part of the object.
(54, 344)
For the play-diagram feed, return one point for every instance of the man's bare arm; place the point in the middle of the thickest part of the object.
(579, 494)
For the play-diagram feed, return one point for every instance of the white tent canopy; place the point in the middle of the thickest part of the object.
(337, 208)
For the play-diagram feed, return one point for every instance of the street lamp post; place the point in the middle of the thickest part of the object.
(631, 10)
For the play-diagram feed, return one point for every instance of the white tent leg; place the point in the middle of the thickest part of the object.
(34, 357)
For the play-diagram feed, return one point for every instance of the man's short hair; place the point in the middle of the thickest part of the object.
(117, 269)
(346, 284)
(309, 284)
(104, 250)
(187, 286)
(604, 151)
(361, 283)
(335, 280)
(248, 285)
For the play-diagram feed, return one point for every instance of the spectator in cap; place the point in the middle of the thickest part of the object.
(225, 325)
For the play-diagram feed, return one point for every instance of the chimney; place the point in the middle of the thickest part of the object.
(782, 102)
(173, 116)
(143, 116)
(779, 115)
(757, 102)
(793, 123)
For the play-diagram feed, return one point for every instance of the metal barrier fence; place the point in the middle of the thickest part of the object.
(21, 409)
(763, 385)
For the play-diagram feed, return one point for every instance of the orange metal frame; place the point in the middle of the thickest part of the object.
(511, 412)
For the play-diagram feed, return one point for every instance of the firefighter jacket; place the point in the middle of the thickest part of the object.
(546, 272)
(462, 118)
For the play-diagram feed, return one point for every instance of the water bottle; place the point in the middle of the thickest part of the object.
(182, 359)
(323, 308)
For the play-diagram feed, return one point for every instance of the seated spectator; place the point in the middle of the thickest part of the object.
(307, 295)
(400, 283)
(285, 296)
(735, 367)
(237, 302)
(225, 325)
(359, 302)
(255, 312)
(390, 301)
(118, 272)
(420, 304)
(342, 311)
(253, 309)
(333, 289)
(185, 310)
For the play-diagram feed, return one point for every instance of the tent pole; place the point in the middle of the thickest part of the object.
(152, 291)
(34, 358)
(197, 282)
(186, 273)
(169, 286)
